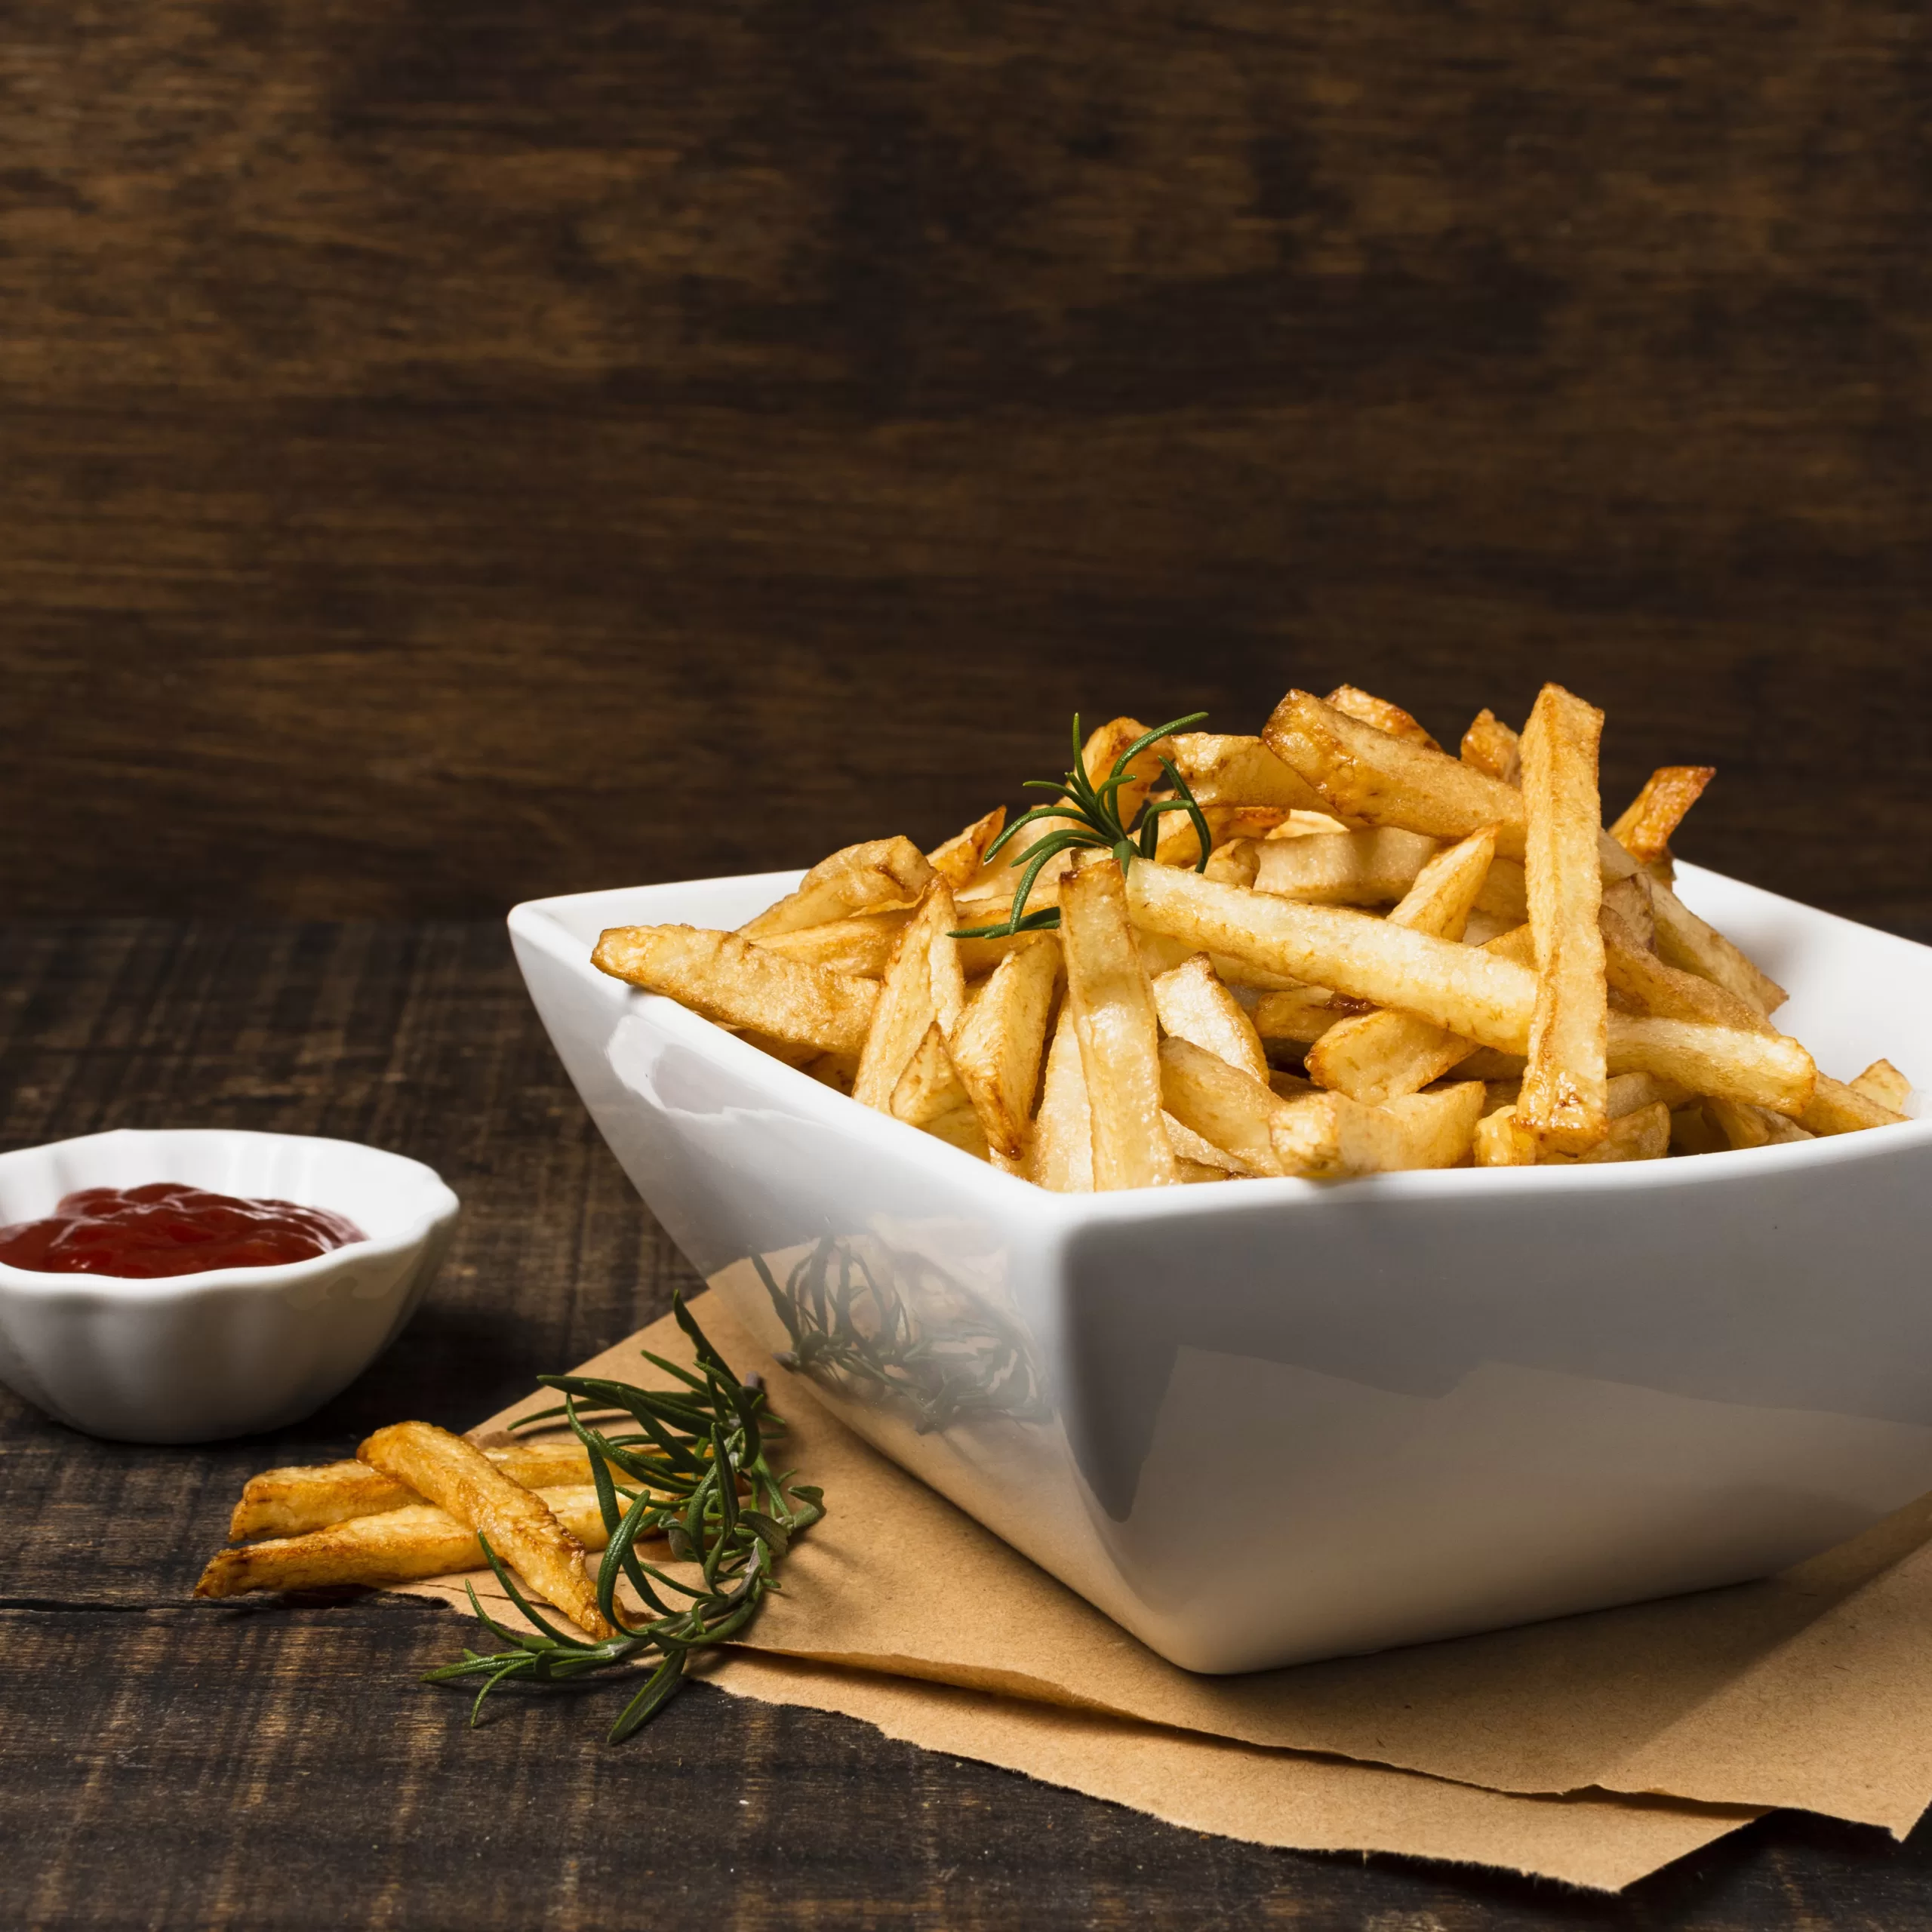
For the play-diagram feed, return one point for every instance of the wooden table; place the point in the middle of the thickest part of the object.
(276, 1765)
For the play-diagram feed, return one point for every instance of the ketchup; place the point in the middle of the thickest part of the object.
(167, 1228)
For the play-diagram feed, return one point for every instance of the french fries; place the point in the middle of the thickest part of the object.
(1114, 1015)
(394, 1546)
(1449, 960)
(521, 1528)
(1563, 1102)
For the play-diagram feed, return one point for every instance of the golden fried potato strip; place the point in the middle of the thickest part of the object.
(962, 855)
(1328, 1137)
(1356, 703)
(1562, 1102)
(523, 1531)
(858, 878)
(394, 1546)
(1113, 1004)
(924, 983)
(728, 979)
(1061, 1155)
(1645, 828)
(1193, 1004)
(1001, 1039)
(1491, 747)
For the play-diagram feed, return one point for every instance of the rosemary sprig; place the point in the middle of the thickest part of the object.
(1095, 809)
(852, 1332)
(705, 1483)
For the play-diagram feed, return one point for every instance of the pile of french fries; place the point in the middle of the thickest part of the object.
(413, 1504)
(1389, 957)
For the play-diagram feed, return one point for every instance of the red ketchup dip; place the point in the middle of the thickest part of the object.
(168, 1228)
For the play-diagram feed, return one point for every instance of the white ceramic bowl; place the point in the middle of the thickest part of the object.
(1259, 1421)
(194, 1358)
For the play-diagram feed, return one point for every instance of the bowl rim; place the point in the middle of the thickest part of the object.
(535, 920)
(439, 1203)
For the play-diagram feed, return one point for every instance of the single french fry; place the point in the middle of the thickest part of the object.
(1469, 990)
(857, 878)
(1684, 940)
(1644, 830)
(1061, 1155)
(1562, 1102)
(1228, 1107)
(1113, 1012)
(1499, 1143)
(1450, 887)
(861, 946)
(1493, 748)
(1299, 1015)
(1328, 1136)
(1193, 1005)
(1372, 868)
(1883, 1082)
(394, 1546)
(457, 1476)
(924, 983)
(1767, 1069)
(960, 858)
(1367, 775)
(726, 978)
(1379, 713)
(290, 1502)
(1002, 1039)
(930, 1086)
(1236, 770)
(1837, 1107)
(1640, 976)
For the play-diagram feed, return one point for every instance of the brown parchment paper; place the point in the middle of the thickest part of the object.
(1812, 1690)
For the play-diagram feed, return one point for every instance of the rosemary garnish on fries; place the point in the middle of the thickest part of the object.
(1096, 821)
(705, 1484)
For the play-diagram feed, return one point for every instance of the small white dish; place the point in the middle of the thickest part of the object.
(1260, 1422)
(230, 1351)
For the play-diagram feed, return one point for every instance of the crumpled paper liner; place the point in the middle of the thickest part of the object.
(1813, 1688)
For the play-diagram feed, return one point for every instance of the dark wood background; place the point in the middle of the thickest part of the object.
(460, 449)
(453, 451)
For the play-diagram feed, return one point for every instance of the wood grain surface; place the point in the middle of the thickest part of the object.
(275, 1764)
(459, 451)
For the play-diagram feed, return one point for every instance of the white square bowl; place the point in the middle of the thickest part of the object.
(1261, 1422)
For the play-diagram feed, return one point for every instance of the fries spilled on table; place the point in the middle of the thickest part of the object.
(1330, 949)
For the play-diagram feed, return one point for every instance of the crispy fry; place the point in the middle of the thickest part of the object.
(1113, 1012)
(1328, 1136)
(1644, 830)
(858, 878)
(1684, 939)
(1883, 1082)
(1450, 887)
(290, 1502)
(394, 1546)
(1228, 1108)
(1001, 1039)
(1500, 1142)
(1061, 1156)
(727, 978)
(1367, 775)
(457, 1476)
(1562, 1102)
(1767, 1070)
(861, 946)
(929, 1086)
(959, 858)
(1641, 977)
(1629, 899)
(1469, 990)
(1373, 868)
(1379, 713)
(1838, 1108)
(923, 984)
(1193, 1005)
(1243, 771)
(1493, 748)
